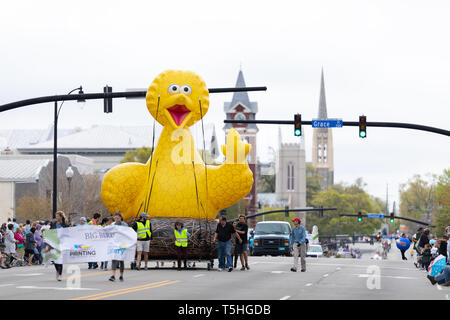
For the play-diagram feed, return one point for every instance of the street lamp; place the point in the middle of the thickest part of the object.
(55, 148)
(69, 176)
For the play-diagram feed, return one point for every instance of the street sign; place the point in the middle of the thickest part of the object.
(375, 215)
(327, 123)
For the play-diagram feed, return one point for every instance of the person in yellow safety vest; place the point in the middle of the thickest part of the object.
(181, 242)
(95, 219)
(143, 228)
(94, 222)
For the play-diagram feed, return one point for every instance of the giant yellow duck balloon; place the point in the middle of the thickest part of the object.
(175, 182)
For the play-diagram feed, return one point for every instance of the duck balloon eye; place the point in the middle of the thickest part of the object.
(186, 89)
(173, 88)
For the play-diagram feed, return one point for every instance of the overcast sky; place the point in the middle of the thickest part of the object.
(388, 60)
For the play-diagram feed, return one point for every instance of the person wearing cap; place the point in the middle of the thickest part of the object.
(143, 229)
(298, 236)
(118, 221)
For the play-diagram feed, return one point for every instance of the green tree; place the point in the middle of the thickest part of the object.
(266, 183)
(348, 200)
(418, 199)
(139, 155)
(442, 215)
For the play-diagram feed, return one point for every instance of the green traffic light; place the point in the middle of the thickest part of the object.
(392, 220)
(297, 132)
(359, 219)
(362, 134)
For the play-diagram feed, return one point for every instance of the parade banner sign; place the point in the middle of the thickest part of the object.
(89, 243)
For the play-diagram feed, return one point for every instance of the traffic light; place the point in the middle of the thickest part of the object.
(107, 102)
(362, 127)
(392, 217)
(321, 211)
(286, 213)
(297, 125)
(359, 216)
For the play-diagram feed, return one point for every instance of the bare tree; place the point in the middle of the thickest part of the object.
(93, 201)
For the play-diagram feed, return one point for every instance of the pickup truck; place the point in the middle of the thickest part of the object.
(272, 238)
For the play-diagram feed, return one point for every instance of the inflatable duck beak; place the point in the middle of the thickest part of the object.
(179, 113)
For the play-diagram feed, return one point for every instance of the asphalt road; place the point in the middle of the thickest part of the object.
(268, 279)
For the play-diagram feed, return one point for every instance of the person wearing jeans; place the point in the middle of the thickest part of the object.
(223, 233)
(442, 278)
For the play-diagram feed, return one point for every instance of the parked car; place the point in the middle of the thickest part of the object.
(314, 250)
(272, 238)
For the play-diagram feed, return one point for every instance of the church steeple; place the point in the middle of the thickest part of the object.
(241, 97)
(322, 100)
(323, 158)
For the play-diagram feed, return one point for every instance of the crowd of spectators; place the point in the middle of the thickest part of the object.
(429, 248)
(22, 244)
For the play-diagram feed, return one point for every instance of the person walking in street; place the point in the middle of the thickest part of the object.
(143, 228)
(403, 239)
(242, 248)
(30, 245)
(234, 242)
(95, 221)
(298, 236)
(10, 243)
(60, 222)
(118, 221)
(223, 233)
(181, 242)
(39, 242)
(105, 222)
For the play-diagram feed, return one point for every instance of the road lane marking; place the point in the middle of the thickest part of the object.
(285, 298)
(325, 275)
(393, 277)
(350, 265)
(439, 287)
(308, 284)
(121, 290)
(84, 275)
(7, 284)
(28, 274)
(277, 271)
(199, 275)
(54, 288)
(134, 290)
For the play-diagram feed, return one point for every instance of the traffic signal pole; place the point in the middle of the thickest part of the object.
(106, 95)
(354, 124)
(320, 209)
(385, 216)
